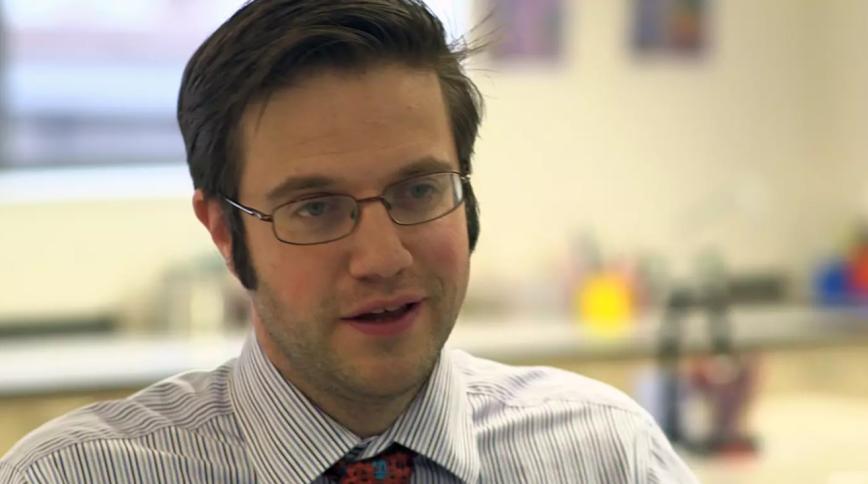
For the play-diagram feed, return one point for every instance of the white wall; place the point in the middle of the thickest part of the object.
(84, 257)
(839, 122)
(665, 155)
(758, 149)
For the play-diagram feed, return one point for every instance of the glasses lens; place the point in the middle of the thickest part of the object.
(424, 198)
(315, 220)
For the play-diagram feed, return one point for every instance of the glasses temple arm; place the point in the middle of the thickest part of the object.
(249, 211)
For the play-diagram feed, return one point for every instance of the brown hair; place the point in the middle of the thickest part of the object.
(269, 44)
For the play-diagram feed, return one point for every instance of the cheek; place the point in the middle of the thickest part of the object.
(295, 275)
(444, 249)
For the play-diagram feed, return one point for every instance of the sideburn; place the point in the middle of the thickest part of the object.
(241, 261)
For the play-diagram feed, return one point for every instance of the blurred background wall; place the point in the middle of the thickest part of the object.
(752, 148)
(756, 148)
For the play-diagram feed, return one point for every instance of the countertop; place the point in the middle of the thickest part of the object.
(54, 364)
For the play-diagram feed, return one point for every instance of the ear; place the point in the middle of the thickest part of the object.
(209, 211)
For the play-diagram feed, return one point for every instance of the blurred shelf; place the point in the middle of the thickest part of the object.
(57, 364)
(752, 329)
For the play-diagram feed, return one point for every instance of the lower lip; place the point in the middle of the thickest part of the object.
(390, 328)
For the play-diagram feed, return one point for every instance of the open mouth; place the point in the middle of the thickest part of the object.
(385, 315)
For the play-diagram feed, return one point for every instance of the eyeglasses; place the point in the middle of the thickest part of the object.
(326, 218)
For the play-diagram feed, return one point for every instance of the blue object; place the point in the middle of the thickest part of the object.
(381, 469)
(831, 286)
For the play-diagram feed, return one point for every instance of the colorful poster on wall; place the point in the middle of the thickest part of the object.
(677, 27)
(527, 30)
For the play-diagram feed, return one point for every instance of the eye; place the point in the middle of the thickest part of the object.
(421, 193)
(421, 190)
(314, 208)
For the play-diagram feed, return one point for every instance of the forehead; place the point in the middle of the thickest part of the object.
(350, 127)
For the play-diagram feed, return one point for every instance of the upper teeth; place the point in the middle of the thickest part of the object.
(383, 310)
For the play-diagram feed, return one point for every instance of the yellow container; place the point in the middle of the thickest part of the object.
(604, 303)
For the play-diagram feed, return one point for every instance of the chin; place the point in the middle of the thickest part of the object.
(387, 377)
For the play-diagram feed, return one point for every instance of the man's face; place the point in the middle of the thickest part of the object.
(353, 133)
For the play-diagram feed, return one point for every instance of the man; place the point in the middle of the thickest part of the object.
(330, 143)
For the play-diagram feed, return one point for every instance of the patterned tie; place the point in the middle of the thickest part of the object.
(392, 466)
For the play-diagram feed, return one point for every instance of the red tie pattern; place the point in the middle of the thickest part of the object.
(392, 466)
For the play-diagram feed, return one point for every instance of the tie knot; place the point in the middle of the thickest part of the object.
(393, 466)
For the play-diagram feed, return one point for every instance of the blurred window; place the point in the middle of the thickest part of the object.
(95, 82)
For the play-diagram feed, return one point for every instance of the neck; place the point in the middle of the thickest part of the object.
(364, 415)
(365, 418)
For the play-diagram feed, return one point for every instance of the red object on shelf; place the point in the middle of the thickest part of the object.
(857, 277)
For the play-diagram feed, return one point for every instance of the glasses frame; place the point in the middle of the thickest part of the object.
(269, 217)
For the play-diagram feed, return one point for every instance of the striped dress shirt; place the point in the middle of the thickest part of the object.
(475, 421)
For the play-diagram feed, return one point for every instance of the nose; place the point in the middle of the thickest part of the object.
(378, 252)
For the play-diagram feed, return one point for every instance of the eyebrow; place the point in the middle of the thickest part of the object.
(294, 184)
(428, 164)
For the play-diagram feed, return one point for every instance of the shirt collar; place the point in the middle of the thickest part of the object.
(288, 438)
(287, 435)
(438, 424)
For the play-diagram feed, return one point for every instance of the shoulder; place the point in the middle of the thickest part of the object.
(531, 418)
(534, 404)
(499, 384)
(183, 404)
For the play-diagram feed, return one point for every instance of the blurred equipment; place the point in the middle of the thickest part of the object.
(843, 280)
(193, 297)
(603, 295)
(705, 399)
(202, 298)
(605, 304)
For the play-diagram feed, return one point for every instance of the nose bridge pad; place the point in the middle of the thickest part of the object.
(387, 206)
(357, 210)
(380, 252)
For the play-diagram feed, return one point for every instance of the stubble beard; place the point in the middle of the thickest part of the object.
(307, 359)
